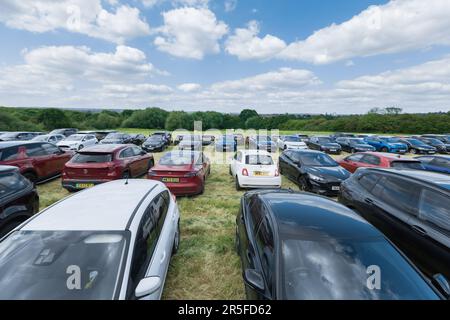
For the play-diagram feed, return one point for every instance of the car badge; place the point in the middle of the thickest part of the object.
(85, 171)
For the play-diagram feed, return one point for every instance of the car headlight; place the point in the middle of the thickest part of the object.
(316, 178)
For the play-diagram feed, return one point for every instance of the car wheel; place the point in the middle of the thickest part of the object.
(352, 150)
(31, 177)
(176, 241)
(237, 245)
(238, 186)
(126, 175)
(231, 173)
(384, 149)
(80, 147)
(151, 164)
(303, 184)
(413, 151)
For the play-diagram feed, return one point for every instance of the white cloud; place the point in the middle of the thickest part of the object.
(80, 16)
(245, 44)
(189, 87)
(230, 5)
(398, 26)
(177, 3)
(190, 33)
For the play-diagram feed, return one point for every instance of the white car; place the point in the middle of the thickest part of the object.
(113, 241)
(50, 138)
(77, 142)
(291, 143)
(254, 169)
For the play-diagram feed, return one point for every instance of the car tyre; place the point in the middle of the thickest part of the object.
(80, 147)
(413, 151)
(352, 150)
(237, 245)
(303, 184)
(151, 164)
(31, 177)
(237, 185)
(384, 149)
(176, 241)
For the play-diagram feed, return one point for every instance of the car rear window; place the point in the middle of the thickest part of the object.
(258, 160)
(9, 154)
(92, 158)
(10, 183)
(407, 165)
(435, 208)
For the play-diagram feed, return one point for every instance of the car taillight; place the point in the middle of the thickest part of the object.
(152, 173)
(245, 172)
(192, 174)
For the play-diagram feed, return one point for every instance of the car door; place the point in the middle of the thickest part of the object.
(140, 161)
(432, 229)
(440, 165)
(236, 163)
(56, 158)
(369, 161)
(42, 162)
(127, 156)
(351, 163)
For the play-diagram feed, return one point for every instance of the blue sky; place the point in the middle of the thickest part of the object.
(297, 56)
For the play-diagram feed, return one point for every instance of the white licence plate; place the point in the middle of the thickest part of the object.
(336, 188)
(333, 150)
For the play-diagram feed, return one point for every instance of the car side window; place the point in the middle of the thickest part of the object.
(368, 181)
(35, 150)
(355, 157)
(127, 153)
(434, 208)
(400, 194)
(256, 213)
(136, 151)
(441, 163)
(9, 154)
(370, 159)
(426, 159)
(266, 249)
(50, 148)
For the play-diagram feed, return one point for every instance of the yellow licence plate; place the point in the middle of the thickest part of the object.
(171, 180)
(261, 174)
(84, 185)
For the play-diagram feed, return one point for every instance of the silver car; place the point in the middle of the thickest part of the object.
(113, 241)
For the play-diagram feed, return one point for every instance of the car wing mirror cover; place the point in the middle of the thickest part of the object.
(147, 286)
(442, 284)
(254, 279)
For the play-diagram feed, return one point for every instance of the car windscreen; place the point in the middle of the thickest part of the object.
(115, 136)
(74, 137)
(334, 269)
(391, 140)
(178, 159)
(325, 140)
(9, 135)
(92, 158)
(357, 141)
(259, 160)
(154, 139)
(417, 143)
(41, 138)
(263, 139)
(292, 139)
(61, 265)
(410, 165)
(435, 142)
(11, 183)
(317, 160)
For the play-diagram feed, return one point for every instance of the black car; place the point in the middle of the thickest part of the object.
(440, 146)
(416, 146)
(313, 171)
(325, 144)
(117, 138)
(138, 139)
(66, 131)
(437, 163)
(18, 199)
(18, 136)
(353, 145)
(337, 135)
(442, 137)
(300, 246)
(166, 135)
(155, 143)
(302, 137)
(410, 207)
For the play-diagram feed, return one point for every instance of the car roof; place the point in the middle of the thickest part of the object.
(254, 152)
(8, 144)
(437, 179)
(8, 168)
(106, 207)
(391, 157)
(307, 151)
(444, 156)
(312, 216)
(105, 148)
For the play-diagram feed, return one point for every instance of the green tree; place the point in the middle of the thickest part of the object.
(247, 114)
(54, 118)
(152, 118)
(179, 120)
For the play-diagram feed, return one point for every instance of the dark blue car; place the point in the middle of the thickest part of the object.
(438, 163)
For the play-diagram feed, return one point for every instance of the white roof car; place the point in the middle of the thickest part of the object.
(291, 143)
(78, 141)
(51, 138)
(254, 169)
(113, 241)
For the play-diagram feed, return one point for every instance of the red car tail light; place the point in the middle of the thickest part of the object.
(245, 172)
(192, 174)
(152, 173)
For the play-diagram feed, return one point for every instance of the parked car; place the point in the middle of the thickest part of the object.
(37, 161)
(208, 139)
(437, 163)
(18, 199)
(226, 144)
(77, 142)
(18, 136)
(103, 163)
(353, 145)
(303, 137)
(415, 146)
(325, 144)
(117, 138)
(184, 172)
(445, 138)
(86, 248)
(441, 147)
(291, 143)
(100, 135)
(379, 160)
(261, 143)
(166, 135)
(191, 143)
(50, 138)
(239, 138)
(155, 143)
(254, 169)
(65, 132)
(300, 246)
(313, 171)
(387, 144)
(138, 139)
(342, 135)
(412, 208)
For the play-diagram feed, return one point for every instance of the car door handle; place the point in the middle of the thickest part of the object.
(368, 201)
(419, 230)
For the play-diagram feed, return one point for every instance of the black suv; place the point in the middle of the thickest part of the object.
(411, 207)
(18, 199)
(325, 144)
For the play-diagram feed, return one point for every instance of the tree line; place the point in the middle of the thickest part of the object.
(387, 120)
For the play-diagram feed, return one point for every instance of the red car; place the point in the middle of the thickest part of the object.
(103, 163)
(379, 160)
(37, 161)
(183, 172)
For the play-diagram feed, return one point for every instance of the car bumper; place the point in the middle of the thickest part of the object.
(260, 182)
(334, 151)
(328, 188)
(73, 184)
(296, 147)
(182, 189)
(152, 149)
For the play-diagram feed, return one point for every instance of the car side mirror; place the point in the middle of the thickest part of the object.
(147, 286)
(254, 279)
(143, 153)
(442, 284)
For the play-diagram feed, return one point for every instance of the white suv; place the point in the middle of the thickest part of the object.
(77, 142)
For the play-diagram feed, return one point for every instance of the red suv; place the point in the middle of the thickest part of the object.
(106, 162)
(379, 160)
(37, 161)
